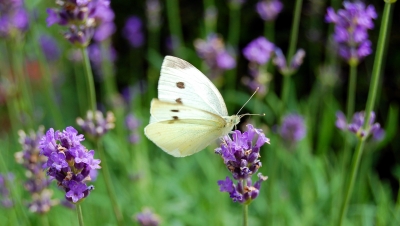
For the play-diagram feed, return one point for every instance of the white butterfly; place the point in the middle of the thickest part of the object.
(189, 113)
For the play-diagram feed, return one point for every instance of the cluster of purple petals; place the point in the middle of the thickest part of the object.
(13, 18)
(5, 195)
(37, 184)
(133, 31)
(213, 52)
(269, 9)
(293, 128)
(50, 48)
(147, 218)
(295, 63)
(95, 124)
(357, 123)
(97, 57)
(132, 124)
(241, 157)
(68, 162)
(259, 51)
(351, 26)
(85, 19)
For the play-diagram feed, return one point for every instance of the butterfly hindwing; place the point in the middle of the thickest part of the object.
(180, 82)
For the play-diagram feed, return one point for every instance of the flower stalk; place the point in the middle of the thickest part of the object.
(377, 67)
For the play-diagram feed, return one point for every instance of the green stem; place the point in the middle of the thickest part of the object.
(269, 30)
(107, 181)
(44, 220)
(79, 212)
(209, 25)
(174, 22)
(234, 25)
(245, 214)
(47, 84)
(292, 48)
(18, 71)
(80, 89)
(351, 92)
(370, 104)
(89, 81)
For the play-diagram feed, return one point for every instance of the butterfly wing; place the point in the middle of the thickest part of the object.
(180, 130)
(180, 82)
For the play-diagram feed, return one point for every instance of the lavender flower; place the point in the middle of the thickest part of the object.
(240, 155)
(153, 12)
(295, 63)
(37, 184)
(293, 128)
(50, 48)
(13, 18)
(356, 125)
(132, 124)
(133, 31)
(258, 52)
(5, 181)
(95, 124)
(68, 162)
(269, 9)
(351, 26)
(213, 52)
(147, 218)
(82, 18)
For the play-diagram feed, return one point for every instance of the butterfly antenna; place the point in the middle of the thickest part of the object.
(248, 101)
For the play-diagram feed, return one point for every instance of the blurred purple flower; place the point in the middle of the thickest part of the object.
(132, 124)
(50, 48)
(351, 26)
(269, 9)
(259, 50)
(5, 195)
(37, 184)
(356, 125)
(14, 18)
(295, 63)
(85, 20)
(133, 31)
(95, 124)
(147, 218)
(68, 162)
(293, 128)
(97, 57)
(213, 52)
(241, 157)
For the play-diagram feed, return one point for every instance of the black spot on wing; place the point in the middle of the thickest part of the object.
(175, 117)
(180, 85)
(179, 100)
(173, 110)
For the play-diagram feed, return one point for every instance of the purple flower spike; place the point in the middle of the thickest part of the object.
(356, 125)
(132, 124)
(5, 195)
(70, 163)
(213, 52)
(293, 128)
(13, 18)
(351, 26)
(259, 50)
(133, 31)
(295, 63)
(241, 157)
(269, 9)
(96, 125)
(147, 218)
(84, 19)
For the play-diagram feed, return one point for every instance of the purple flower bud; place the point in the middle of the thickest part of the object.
(133, 31)
(259, 50)
(269, 9)
(147, 218)
(95, 124)
(357, 123)
(293, 128)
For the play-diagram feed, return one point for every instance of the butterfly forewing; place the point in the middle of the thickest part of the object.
(180, 82)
